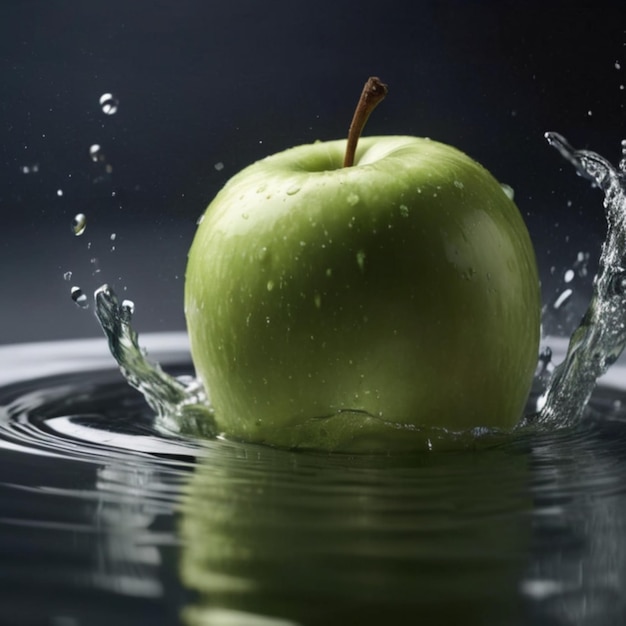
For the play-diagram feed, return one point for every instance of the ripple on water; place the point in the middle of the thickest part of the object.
(531, 529)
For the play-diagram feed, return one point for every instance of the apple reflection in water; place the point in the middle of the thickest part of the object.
(297, 538)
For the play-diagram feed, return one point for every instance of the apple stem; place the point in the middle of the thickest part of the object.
(373, 92)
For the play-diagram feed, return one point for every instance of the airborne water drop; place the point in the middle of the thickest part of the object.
(79, 224)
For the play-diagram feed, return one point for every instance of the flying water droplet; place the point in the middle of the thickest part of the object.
(109, 103)
(95, 153)
(79, 297)
(67, 276)
(563, 298)
(79, 224)
(219, 166)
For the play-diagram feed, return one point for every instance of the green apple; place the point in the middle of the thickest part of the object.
(364, 308)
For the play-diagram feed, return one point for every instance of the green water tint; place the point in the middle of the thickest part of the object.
(182, 405)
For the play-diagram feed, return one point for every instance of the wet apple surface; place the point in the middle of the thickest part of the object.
(359, 308)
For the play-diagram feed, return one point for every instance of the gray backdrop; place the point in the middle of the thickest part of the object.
(201, 83)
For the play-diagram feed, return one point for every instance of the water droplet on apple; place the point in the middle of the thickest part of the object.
(79, 224)
(109, 103)
(293, 190)
(263, 254)
(270, 285)
(352, 199)
(508, 191)
(458, 184)
(79, 297)
(404, 210)
(245, 216)
(360, 259)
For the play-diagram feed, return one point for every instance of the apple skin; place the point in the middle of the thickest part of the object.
(368, 308)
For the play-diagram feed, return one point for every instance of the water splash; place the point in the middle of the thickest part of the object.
(181, 405)
(601, 336)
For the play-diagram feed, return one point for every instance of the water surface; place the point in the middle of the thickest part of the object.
(104, 520)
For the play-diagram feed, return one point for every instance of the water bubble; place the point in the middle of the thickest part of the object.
(109, 103)
(404, 210)
(79, 297)
(67, 276)
(219, 166)
(79, 223)
(352, 199)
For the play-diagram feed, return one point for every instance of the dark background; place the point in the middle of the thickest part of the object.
(204, 82)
